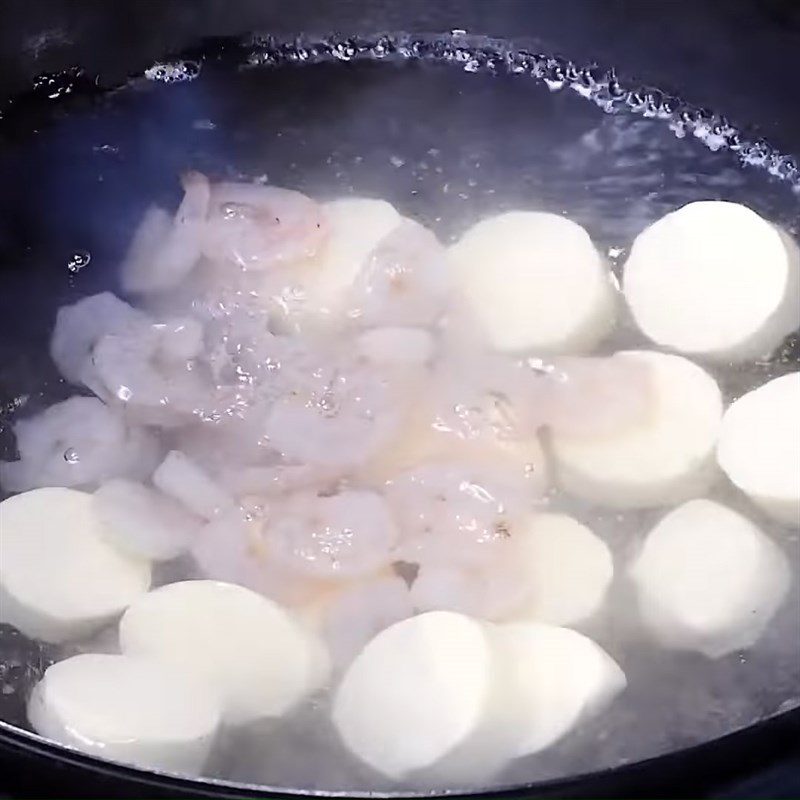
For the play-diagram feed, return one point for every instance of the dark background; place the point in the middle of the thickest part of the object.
(739, 57)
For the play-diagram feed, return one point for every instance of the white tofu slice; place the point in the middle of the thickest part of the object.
(667, 457)
(59, 577)
(132, 710)
(443, 697)
(568, 569)
(558, 678)
(259, 660)
(708, 579)
(535, 281)
(759, 447)
(416, 693)
(714, 279)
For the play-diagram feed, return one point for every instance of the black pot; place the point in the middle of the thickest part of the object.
(70, 164)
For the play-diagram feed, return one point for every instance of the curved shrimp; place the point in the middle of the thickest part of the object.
(396, 347)
(457, 512)
(336, 415)
(454, 419)
(280, 479)
(164, 250)
(596, 396)
(81, 325)
(343, 535)
(251, 369)
(259, 227)
(493, 590)
(404, 282)
(512, 398)
(151, 371)
(362, 610)
(79, 442)
(233, 547)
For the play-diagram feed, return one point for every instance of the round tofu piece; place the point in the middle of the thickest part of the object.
(127, 709)
(714, 279)
(356, 227)
(666, 457)
(568, 569)
(557, 677)
(759, 447)
(415, 693)
(708, 579)
(59, 577)
(248, 649)
(534, 281)
(143, 522)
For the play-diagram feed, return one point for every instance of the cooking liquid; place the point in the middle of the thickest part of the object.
(352, 126)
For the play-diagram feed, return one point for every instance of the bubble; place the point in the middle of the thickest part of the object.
(71, 456)
(173, 72)
(78, 260)
(477, 54)
(54, 85)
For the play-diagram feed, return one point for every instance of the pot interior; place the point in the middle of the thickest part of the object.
(447, 141)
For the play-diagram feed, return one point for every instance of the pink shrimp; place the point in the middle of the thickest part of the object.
(260, 227)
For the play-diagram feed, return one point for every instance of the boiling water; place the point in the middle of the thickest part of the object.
(446, 146)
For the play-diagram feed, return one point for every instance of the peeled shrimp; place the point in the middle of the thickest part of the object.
(594, 396)
(181, 339)
(344, 535)
(361, 611)
(486, 399)
(396, 347)
(490, 591)
(340, 416)
(140, 454)
(164, 251)
(511, 399)
(404, 282)
(277, 479)
(143, 522)
(80, 326)
(259, 227)
(245, 353)
(79, 442)
(457, 512)
(438, 587)
(251, 367)
(226, 446)
(233, 548)
(149, 371)
(225, 550)
(181, 479)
